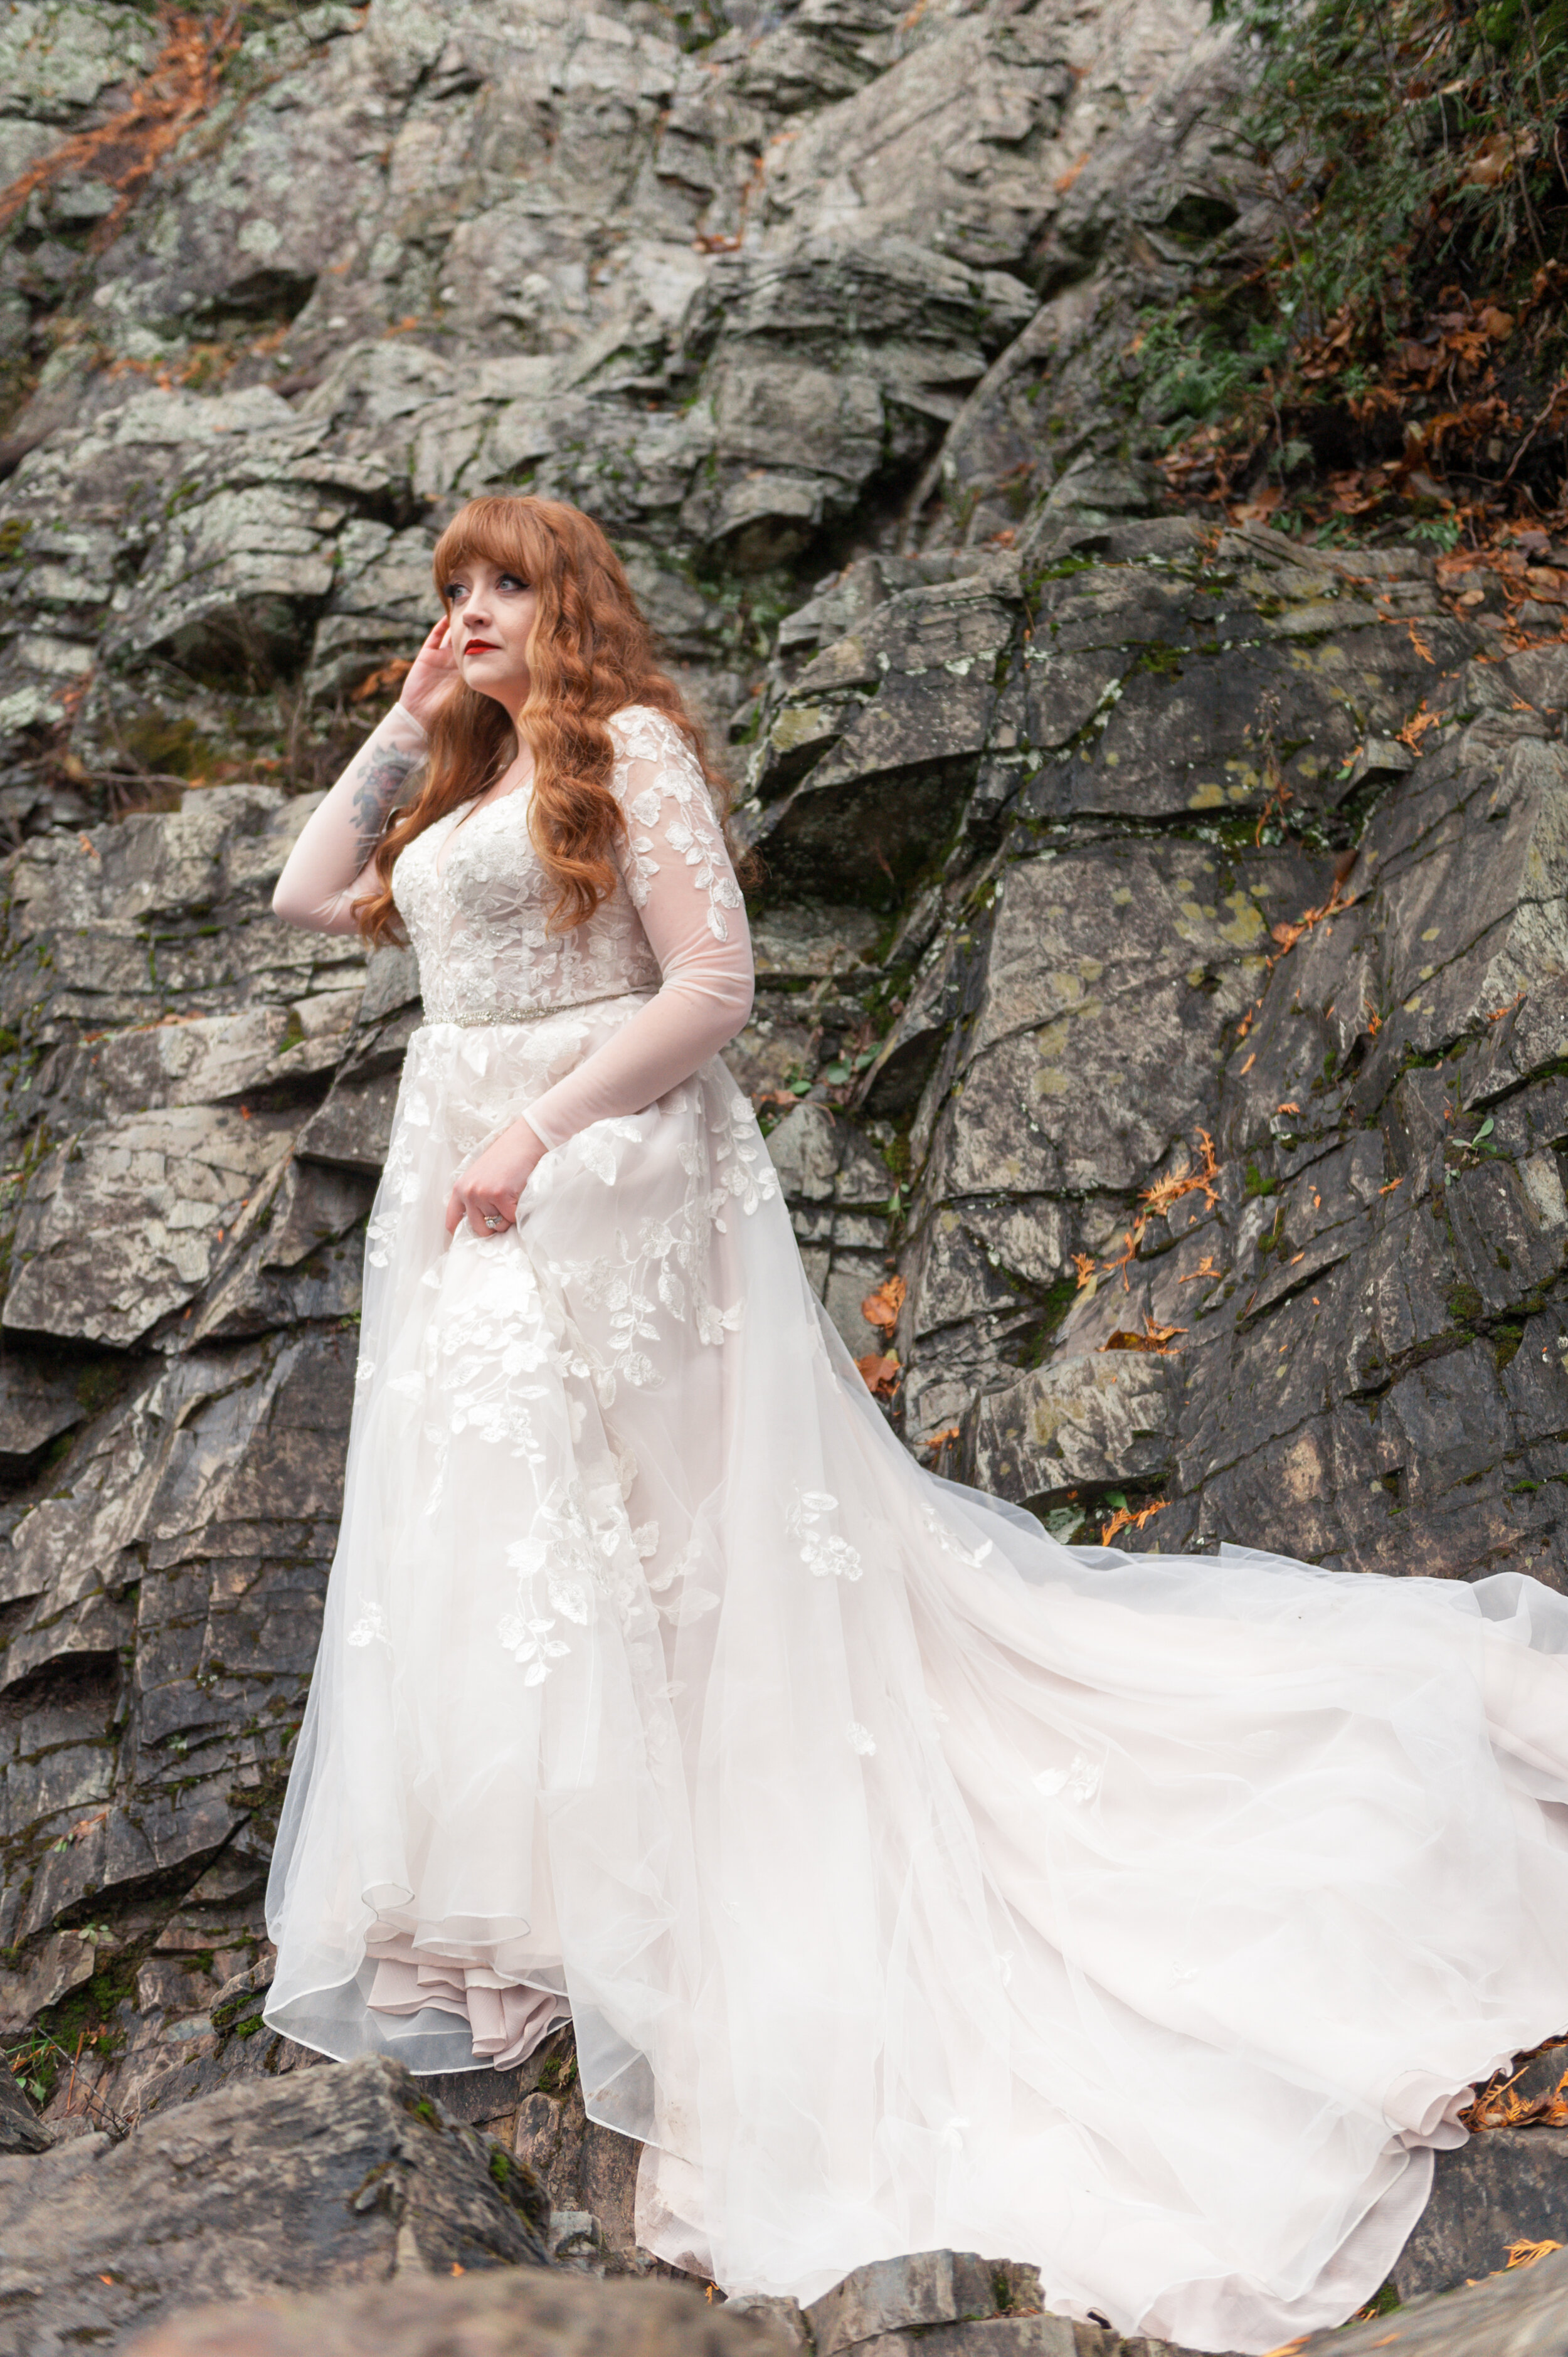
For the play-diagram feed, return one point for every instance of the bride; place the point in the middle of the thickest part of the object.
(911, 1880)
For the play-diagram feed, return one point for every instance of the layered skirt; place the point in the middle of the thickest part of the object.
(911, 1880)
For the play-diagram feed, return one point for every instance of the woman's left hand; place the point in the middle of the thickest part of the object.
(485, 1195)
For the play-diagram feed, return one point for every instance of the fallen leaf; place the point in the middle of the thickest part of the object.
(881, 1308)
(880, 1374)
(1152, 1337)
(1123, 1519)
(1525, 2253)
(377, 682)
(1204, 1269)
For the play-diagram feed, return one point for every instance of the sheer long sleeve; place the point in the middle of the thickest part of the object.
(682, 885)
(329, 869)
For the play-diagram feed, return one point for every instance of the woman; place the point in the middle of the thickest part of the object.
(911, 1880)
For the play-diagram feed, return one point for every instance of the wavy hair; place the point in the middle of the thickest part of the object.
(590, 653)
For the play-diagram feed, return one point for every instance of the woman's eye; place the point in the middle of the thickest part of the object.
(454, 590)
(510, 581)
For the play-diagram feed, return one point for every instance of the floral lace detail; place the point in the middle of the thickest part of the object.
(1079, 1782)
(860, 1739)
(745, 1171)
(581, 1549)
(693, 834)
(371, 1628)
(951, 1544)
(663, 1267)
(682, 1597)
(477, 902)
(822, 1552)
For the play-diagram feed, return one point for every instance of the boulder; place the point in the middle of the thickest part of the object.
(1520, 2313)
(325, 2178)
(1503, 2193)
(510, 2315)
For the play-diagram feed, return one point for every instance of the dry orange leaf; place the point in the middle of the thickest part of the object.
(377, 682)
(1152, 1337)
(1204, 1269)
(879, 1373)
(935, 1440)
(184, 83)
(1123, 1519)
(881, 1308)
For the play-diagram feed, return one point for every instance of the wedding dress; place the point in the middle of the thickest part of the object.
(911, 1880)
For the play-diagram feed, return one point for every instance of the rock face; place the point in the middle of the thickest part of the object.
(328, 2177)
(1163, 959)
(515, 2316)
(1522, 2314)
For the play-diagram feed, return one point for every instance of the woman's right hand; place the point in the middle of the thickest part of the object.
(433, 676)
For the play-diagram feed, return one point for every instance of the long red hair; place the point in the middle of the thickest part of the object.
(590, 654)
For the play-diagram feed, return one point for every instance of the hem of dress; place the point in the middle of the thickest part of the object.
(347, 2050)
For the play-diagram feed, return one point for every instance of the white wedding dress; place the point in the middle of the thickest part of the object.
(912, 1880)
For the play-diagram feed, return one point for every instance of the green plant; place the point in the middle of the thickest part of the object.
(1405, 135)
(1190, 367)
(1409, 321)
(1443, 532)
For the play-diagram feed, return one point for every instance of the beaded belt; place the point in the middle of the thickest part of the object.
(533, 1014)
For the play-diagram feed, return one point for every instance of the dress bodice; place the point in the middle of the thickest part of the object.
(474, 896)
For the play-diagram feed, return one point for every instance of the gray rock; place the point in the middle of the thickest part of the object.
(1505, 2188)
(895, 2296)
(504, 2315)
(127, 1221)
(332, 2176)
(37, 1405)
(1076, 1424)
(21, 2130)
(1523, 2313)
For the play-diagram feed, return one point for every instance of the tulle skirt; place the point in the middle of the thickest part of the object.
(912, 1880)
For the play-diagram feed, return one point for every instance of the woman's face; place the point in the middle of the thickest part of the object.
(492, 613)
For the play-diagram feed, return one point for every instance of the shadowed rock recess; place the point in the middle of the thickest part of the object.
(1163, 949)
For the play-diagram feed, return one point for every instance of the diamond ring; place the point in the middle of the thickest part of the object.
(493, 1221)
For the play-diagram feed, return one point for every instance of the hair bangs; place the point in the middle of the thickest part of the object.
(506, 532)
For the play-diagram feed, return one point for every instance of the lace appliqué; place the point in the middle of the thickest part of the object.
(662, 1268)
(371, 1628)
(822, 1552)
(693, 834)
(950, 1544)
(1079, 1782)
(477, 902)
(681, 1597)
(581, 1548)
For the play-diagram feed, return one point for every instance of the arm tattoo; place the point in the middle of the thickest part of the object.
(375, 793)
